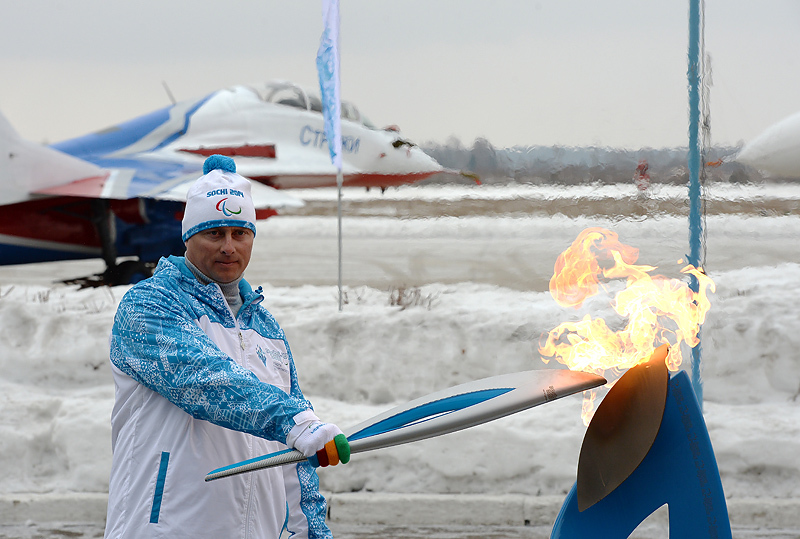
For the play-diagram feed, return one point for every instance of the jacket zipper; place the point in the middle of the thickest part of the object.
(244, 362)
(243, 358)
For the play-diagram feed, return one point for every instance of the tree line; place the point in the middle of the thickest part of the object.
(572, 165)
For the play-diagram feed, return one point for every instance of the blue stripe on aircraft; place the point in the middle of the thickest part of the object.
(17, 254)
(123, 135)
(113, 138)
(187, 117)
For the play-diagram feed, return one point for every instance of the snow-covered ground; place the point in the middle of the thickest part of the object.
(474, 304)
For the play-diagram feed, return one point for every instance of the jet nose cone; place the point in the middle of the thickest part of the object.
(428, 163)
(776, 150)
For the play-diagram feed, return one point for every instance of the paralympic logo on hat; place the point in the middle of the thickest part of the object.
(225, 211)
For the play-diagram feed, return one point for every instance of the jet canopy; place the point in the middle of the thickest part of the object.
(292, 95)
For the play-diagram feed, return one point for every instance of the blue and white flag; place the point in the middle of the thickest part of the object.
(328, 68)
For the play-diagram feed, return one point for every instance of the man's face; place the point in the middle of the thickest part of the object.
(221, 253)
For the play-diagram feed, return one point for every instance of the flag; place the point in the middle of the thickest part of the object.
(328, 69)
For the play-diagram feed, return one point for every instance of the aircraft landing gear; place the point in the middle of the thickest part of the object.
(125, 272)
(129, 272)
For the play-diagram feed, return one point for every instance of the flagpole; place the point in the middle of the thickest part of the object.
(695, 210)
(339, 181)
(328, 69)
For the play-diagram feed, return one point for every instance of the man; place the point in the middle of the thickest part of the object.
(204, 378)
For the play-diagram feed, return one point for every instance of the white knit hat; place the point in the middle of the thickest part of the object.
(218, 198)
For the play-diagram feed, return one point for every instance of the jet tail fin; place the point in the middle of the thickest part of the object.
(27, 167)
(7, 132)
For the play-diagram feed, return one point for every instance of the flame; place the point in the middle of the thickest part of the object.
(657, 310)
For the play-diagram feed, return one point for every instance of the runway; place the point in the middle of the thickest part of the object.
(509, 237)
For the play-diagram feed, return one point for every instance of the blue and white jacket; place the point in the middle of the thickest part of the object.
(196, 389)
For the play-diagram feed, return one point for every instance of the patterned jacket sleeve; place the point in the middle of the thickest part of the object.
(307, 506)
(155, 341)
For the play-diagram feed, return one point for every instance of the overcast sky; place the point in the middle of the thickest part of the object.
(517, 72)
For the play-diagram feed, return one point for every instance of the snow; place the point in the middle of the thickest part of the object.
(470, 312)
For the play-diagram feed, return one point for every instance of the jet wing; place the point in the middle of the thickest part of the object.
(156, 179)
(264, 197)
(132, 177)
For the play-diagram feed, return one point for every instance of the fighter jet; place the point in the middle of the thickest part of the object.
(120, 192)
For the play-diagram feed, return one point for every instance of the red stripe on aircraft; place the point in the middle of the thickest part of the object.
(87, 187)
(265, 213)
(350, 180)
(263, 150)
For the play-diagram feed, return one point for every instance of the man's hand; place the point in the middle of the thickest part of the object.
(323, 444)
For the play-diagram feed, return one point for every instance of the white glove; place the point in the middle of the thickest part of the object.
(311, 436)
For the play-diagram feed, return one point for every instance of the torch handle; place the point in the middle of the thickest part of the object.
(279, 458)
(288, 456)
